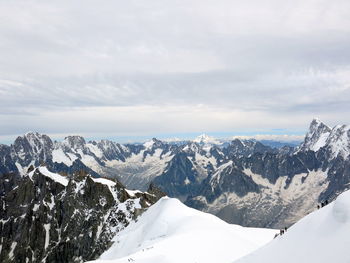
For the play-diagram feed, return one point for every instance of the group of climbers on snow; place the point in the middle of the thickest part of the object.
(322, 204)
(284, 230)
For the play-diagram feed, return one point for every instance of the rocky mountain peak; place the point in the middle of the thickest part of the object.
(206, 139)
(338, 141)
(317, 125)
(157, 142)
(154, 143)
(240, 148)
(35, 140)
(31, 147)
(74, 142)
(237, 142)
(316, 136)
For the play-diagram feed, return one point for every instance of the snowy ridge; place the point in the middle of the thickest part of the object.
(171, 232)
(56, 177)
(322, 236)
(339, 141)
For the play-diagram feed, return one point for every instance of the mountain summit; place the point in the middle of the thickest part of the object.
(316, 136)
(206, 139)
(336, 140)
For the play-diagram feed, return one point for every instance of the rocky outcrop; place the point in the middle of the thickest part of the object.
(180, 178)
(47, 217)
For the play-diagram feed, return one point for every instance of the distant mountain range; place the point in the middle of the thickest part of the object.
(242, 181)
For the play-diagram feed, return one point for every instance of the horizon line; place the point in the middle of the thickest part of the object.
(169, 137)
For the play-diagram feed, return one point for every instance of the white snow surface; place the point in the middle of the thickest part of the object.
(56, 177)
(104, 181)
(320, 142)
(95, 150)
(322, 236)
(59, 156)
(132, 193)
(339, 140)
(169, 232)
(47, 235)
(138, 170)
(110, 185)
(148, 144)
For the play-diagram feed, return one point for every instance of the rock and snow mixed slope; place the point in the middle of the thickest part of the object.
(255, 201)
(276, 189)
(47, 217)
(171, 232)
(335, 141)
(322, 237)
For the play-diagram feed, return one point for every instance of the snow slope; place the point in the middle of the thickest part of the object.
(54, 176)
(323, 236)
(169, 232)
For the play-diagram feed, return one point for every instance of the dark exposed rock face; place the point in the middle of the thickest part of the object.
(32, 148)
(6, 163)
(180, 179)
(238, 148)
(43, 219)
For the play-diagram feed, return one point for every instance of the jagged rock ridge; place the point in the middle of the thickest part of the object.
(47, 217)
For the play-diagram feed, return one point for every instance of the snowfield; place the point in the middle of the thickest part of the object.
(323, 236)
(170, 232)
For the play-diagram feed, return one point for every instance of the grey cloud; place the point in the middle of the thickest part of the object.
(225, 89)
(277, 59)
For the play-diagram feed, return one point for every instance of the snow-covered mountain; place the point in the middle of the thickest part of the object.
(316, 136)
(241, 181)
(47, 217)
(171, 232)
(136, 165)
(322, 236)
(336, 140)
(271, 188)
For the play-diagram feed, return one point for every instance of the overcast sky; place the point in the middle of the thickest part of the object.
(136, 69)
